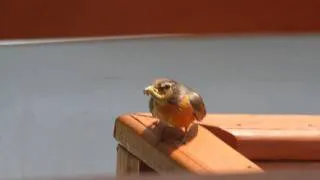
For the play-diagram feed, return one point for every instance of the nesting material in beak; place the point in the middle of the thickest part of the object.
(148, 89)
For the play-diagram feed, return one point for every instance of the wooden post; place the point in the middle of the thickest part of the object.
(128, 164)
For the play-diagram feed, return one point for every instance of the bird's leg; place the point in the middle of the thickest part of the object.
(161, 133)
(186, 130)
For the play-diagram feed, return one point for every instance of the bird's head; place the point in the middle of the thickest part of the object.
(162, 89)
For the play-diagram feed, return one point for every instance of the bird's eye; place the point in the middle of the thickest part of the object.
(167, 86)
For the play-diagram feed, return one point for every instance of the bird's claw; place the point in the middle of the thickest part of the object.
(183, 140)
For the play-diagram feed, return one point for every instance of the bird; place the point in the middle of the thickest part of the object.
(175, 104)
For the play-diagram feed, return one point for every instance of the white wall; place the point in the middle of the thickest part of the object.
(58, 102)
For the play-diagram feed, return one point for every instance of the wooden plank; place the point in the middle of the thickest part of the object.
(288, 165)
(127, 164)
(204, 153)
(275, 175)
(74, 18)
(270, 137)
(144, 150)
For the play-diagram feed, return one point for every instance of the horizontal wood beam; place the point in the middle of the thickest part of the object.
(203, 153)
(269, 137)
(74, 18)
(288, 165)
(275, 175)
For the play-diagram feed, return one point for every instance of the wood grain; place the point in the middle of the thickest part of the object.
(127, 164)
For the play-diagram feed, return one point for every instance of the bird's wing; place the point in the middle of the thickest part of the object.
(198, 105)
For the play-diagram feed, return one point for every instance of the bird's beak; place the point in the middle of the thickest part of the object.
(147, 90)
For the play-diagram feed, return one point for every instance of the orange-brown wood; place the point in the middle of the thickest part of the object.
(288, 165)
(73, 18)
(276, 175)
(127, 164)
(271, 137)
(203, 152)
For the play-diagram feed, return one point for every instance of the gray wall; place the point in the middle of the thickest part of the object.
(58, 102)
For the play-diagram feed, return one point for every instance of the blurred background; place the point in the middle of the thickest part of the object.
(69, 68)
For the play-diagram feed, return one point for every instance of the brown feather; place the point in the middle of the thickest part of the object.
(198, 105)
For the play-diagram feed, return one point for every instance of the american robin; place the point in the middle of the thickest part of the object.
(175, 104)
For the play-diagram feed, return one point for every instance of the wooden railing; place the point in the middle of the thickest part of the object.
(223, 147)
(222, 144)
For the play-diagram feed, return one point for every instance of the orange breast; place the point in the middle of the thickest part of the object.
(179, 115)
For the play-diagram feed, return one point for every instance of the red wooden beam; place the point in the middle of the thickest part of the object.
(269, 137)
(203, 153)
(74, 18)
